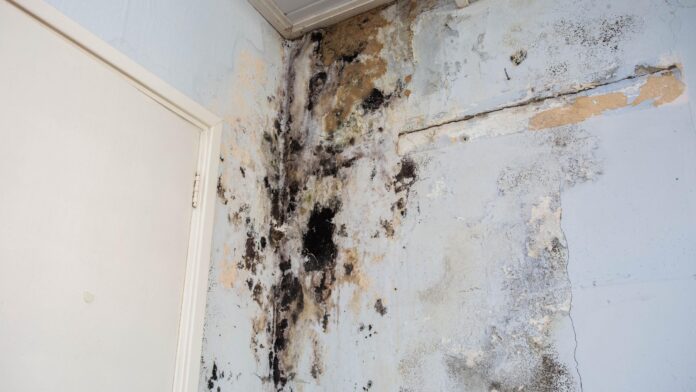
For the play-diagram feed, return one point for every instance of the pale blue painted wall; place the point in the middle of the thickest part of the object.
(190, 44)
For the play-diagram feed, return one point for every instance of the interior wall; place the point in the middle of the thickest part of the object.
(225, 56)
(491, 198)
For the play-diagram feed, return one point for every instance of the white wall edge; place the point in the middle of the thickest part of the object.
(189, 345)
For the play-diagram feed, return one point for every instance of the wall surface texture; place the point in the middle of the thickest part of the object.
(430, 198)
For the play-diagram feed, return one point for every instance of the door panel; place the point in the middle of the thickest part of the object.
(95, 207)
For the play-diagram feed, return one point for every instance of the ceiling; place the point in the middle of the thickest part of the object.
(293, 18)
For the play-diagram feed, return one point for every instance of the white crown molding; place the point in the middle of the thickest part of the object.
(290, 30)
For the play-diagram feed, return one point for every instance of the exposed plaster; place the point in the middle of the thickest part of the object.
(673, 89)
(664, 86)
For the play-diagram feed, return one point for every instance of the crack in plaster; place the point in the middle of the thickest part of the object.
(570, 310)
(540, 99)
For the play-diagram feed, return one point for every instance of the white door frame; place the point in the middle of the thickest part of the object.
(189, 343)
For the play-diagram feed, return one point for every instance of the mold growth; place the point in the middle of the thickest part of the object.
(353, 43)
(319, 251)
(380, 308)
(331, 124)
(518, 57)
(319, 248)
(607, 32)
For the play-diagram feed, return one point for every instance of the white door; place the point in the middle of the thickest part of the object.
(95, 209)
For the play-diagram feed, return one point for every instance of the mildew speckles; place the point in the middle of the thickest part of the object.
(380, 308)
(545, 221)
(605, 32)
(552, 376)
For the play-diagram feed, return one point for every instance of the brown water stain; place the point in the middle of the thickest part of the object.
(354, 46)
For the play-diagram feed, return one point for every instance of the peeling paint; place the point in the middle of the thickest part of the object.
(580, 110)
(660, 89)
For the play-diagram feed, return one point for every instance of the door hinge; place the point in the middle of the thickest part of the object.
(196, 191)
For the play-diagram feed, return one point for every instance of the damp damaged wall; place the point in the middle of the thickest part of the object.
(431, 198)
(491, 198)
(225, 56)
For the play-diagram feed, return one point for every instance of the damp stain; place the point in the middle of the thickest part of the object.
(330, 121)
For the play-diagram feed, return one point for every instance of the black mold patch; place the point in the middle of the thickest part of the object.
(374, 100)
(290, 295)
(331, 161)
(316, 84)
(319, 248)
(325, 322)
(213, 377)
(388, 228)
(221, 191)
(288, 299)
(349, 58)
(380, 308)
(348, 269)
(406, 176)
(257, 294)
(251, 256)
